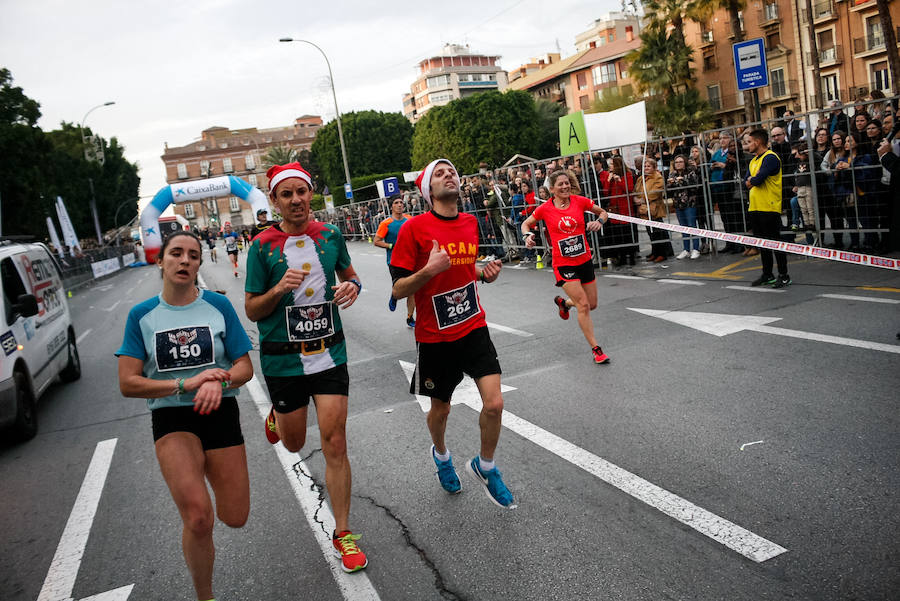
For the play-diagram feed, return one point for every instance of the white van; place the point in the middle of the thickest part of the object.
(36, 334)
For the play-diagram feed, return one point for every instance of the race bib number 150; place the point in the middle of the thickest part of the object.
(184, 348)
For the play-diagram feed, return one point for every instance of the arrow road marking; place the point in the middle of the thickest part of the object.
(707, 523)
(719, 324)
(63, 570)
(356, 586)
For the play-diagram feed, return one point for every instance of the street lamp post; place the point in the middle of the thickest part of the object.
(337, 113)
(90, 180)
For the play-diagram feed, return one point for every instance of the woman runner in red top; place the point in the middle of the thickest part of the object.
(566, 227)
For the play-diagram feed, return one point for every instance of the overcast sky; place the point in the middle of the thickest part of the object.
(177, 68)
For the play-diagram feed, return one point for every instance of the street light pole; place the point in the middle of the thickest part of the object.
(93, 201)
(337, 113)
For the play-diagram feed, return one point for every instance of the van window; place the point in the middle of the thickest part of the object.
(13, 287)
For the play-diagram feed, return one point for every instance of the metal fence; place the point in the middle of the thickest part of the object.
(833, 197)
(77, 270)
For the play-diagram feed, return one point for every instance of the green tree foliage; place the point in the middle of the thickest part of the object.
(686, 111)
(279, 155)
(37, 167)
(548, 114)
(377, 142)
(612, 99)
(662, 65)
(488, 127)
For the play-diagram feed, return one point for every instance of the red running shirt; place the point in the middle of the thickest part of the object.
(566, 230)
(447, 306)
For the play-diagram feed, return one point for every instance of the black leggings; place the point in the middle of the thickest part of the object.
(767, 224)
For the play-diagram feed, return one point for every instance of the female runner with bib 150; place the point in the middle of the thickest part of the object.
(572, 264)
(185, 351)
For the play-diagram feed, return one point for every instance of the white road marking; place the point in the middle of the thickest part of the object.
(509, 330)
(104, 288)
(64, 567)
(731, 535)
(83, 335)
(624, 277)
(754, 289)
(682, 282)
(747, 444)
(114, 305)
(868, 299)
(720, 324)
(356, 586)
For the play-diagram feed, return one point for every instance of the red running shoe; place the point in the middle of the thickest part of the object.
(563, 307)
(345, 547)
(271, 433)
(599, 355)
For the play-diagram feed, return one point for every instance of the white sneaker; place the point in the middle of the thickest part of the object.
(490, 258)
(682, 255)
(695, 254)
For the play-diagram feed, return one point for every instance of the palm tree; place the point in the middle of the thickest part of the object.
(662, 65)
(890, 42)
(279, 155)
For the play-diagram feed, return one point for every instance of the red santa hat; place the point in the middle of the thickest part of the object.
(424, 180)
(279, 173)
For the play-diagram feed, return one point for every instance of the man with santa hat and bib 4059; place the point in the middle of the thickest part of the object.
(292, 294)
(434, 259)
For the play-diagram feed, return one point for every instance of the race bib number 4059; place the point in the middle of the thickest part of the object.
(572, 246)
(309, 322)
(456, 306)
(184, 348)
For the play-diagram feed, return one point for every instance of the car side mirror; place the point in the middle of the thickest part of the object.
(26, 306)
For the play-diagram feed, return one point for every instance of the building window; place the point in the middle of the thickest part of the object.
(830, 87)
(234, 205)
(611, 37)
(250, 161)
(204, 168)
(624, 73)
(226, 165)
(182, 170)
(189, 210)
(825, 45)
(211, 206)
(582, 81)
(878, 76)
(773, 39)
(709, 61)
(770, 12)
(714, 96)
(874, 33)
(584, 102)
(253, 181)
(439, 81)
(776, 80)
(604, 73)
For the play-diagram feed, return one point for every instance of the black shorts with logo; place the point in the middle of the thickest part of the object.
(440, 365)
(289, 393)
(583, 273)
(217, 430)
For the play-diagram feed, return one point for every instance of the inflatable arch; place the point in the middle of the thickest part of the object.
(189, 191)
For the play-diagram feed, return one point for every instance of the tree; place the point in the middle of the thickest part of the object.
(613, 98)
(279, 155)
(686, 111)
(890, 43)
(487, 127)
(662, 65)
(548, 114)
(15, 107)
(376, 142)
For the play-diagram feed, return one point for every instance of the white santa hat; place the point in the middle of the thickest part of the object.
(424, 179)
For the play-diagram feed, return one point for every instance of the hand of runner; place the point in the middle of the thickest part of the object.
(216, 374)
(291, 279)
(208, 397)
(529, 240)
(593, 226)
(345, 294)
(438, 260)
(491, 270)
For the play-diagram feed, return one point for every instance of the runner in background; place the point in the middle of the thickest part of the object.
(292, 293)
(187, 354)
(230, 238)
(434, 259)
(385, 237)
(572, 263)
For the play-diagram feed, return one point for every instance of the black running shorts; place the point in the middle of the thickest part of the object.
(583, 273)
(289, 393)
(217, 430)
(440, 365)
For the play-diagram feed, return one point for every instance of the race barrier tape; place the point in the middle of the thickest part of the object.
(830, 254)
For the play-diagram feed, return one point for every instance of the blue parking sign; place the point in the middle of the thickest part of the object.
(348, 191)
(750, 64)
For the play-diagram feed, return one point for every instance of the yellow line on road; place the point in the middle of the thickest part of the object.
(877, 289)
(722, 273)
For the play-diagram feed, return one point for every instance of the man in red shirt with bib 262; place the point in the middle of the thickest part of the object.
(434, 259)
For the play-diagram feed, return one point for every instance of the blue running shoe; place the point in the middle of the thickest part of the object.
(392, 304)
(446, 474)
(411, 322)
(493, 484)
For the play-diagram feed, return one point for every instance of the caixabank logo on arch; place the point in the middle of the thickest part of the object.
(217, 186)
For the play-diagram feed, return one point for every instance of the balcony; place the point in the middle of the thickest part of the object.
(822, 11)
(858, 93)
(837, 95)
(706, 39)
(870, 43)
(768, 15)
(779, 90)
(827, 57)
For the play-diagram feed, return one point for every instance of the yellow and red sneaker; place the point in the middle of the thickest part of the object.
(271, 432)
(345, 547)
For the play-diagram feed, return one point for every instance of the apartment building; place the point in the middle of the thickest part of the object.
(850, 49)
(454, 73)
(238, 152)
(607, 29)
